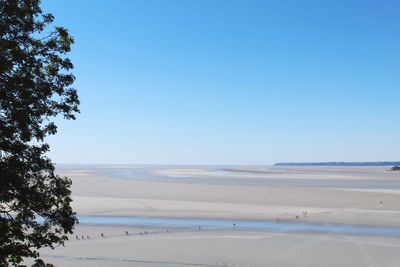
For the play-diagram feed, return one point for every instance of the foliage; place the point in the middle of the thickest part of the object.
(35, 85)
(395, 168)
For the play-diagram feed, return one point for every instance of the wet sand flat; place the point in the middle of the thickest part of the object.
(105, 195)
(213, 192)
(224, 248)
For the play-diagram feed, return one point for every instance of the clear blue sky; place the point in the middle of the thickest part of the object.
(232, 82)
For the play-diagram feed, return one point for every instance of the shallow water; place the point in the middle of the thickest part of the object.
(149, 173)
(222, 224)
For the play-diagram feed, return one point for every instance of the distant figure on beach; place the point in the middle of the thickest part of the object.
(305, 214)
(83, 237)
(234, 225)
(102, 235)
(87, 237)
(126, 233)
(199, 227)
(77, 237)
(381, 202)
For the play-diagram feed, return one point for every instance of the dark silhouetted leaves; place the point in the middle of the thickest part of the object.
(35, 85)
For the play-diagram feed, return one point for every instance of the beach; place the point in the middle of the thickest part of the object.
(360, 196)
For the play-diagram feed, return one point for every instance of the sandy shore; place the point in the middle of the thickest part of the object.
(223, 248)
(96, 194)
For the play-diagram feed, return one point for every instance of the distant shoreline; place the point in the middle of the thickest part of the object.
(344, 164)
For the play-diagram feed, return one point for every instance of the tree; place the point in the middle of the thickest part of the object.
(35, 87)
(395, 168)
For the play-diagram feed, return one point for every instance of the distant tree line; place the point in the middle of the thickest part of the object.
(371, 164)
